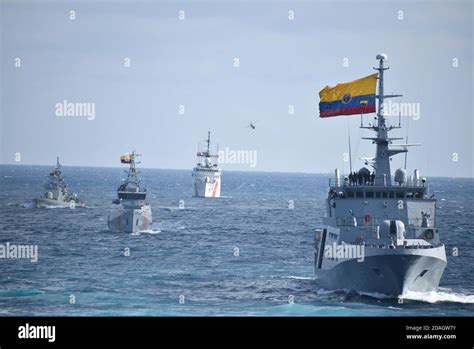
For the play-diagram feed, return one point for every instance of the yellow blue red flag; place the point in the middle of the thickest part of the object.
(354, 97)
(125, 158)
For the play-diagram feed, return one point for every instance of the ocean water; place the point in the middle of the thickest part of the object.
(246, 253)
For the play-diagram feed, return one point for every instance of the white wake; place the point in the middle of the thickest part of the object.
(442, 295)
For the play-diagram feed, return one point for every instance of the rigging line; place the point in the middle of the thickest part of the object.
(361, 133)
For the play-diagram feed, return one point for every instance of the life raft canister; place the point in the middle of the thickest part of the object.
(367, 218)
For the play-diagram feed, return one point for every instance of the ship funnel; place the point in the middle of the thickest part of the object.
(416, 177)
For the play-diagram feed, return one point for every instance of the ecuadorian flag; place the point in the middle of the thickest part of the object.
(125, 158)
(354, 97)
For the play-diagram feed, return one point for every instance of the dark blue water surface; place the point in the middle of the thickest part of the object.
(244, 254)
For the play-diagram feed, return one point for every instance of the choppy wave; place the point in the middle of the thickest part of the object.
(323, 291)
(28, 205)
(300, 277)
(192, 252)
(21, 293)
(297, 309)
(439, 297)
(177, 208)
(147, 231)
(376, 295)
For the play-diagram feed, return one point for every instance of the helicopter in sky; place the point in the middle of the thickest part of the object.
(252, 125)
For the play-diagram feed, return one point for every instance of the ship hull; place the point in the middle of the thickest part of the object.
(388, 271)
(130, 219)
(207, 190)
(207, 184)
(45, 203)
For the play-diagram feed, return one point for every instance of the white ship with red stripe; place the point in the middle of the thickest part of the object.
(206, 174)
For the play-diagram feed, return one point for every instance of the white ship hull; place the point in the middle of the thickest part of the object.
(130, 219)
(207, 190)
(207, 184)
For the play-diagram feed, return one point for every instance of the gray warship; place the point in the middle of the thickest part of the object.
(131, 213)
(56, 193)
(379, 235)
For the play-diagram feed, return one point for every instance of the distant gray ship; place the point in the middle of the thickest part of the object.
(380, 236)
(56, 193)
(131, 213)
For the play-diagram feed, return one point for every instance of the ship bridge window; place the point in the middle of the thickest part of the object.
(369, 194)
(359, 194)
(350, 194)
(378, 194)
(423, 273)
(409, 195)
(400, 194)
(384, 194)
(391, 194)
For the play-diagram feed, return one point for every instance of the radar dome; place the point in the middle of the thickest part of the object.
(401, 176)
(392, 228)
(364, 170)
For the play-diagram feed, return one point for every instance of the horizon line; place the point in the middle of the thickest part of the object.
(223, 170)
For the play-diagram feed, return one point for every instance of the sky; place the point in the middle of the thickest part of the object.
(182, 57)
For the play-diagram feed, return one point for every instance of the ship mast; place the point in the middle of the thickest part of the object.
(208, 143)
(132, 172)
(383, 153)
(57, 170)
